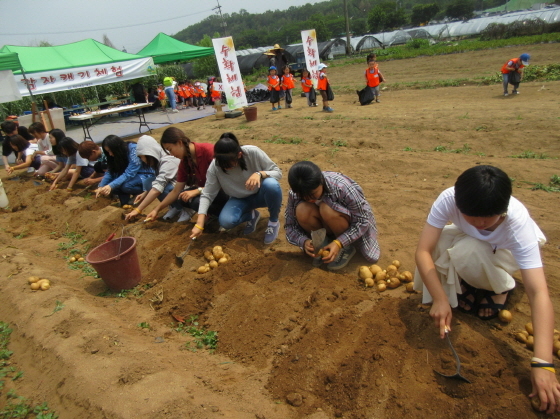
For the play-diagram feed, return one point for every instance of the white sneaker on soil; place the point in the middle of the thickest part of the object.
(171, 213)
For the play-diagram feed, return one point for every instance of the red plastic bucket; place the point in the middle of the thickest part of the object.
(117, 263)
(250, 113)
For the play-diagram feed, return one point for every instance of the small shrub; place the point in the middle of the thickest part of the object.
(418, 43)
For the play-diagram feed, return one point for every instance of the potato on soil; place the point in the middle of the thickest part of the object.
(43, 281)
(203, 269)
(396, 263)
(392, 270)
(521, 337)
(213, 264)
(208, 255)
(81, 259)
(530, 342)
(35, 286)
(364, 272)
(409, 287)
(72, 259)
(393, 282)
(505, 316)
(77, 256)
(221, 261)
(369, 282)
(380, 276)
(529, 328)
(406, 276)
(556, 346)
(218, 252)
(375, 269)
(381, 287)
(45, 286)
(33, 279)
(127, 207)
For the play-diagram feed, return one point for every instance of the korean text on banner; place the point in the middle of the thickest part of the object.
(229, 72)
(312, 59)
(77, 77)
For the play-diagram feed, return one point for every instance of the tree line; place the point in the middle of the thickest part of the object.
(327, 18)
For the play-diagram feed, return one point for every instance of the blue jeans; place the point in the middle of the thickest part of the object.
(130, 187)
(171, 97)
(147, 185)
(240, 210)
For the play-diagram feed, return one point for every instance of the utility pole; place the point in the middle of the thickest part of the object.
(348, 45)
(224, 24)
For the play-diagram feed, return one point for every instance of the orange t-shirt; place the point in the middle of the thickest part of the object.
(273, 83)
(372, 78)
(306, 84)
(323, 81)
(517, 64)
(288, 81)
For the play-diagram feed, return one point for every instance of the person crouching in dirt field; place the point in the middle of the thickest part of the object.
(512, 73)
(335, 202)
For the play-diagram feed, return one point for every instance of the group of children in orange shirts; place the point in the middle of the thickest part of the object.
(187, 94)
(280, 87)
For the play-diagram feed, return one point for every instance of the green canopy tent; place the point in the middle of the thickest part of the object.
(71, 66)
(164, 49)
(10, 61)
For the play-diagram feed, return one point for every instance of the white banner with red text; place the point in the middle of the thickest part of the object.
(229, 72)
(78, 77)
(311, 51)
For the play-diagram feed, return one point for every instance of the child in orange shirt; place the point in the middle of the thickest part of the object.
(288, 84)
(306, 86)
(161, 96)
(274, 87)
(322, 86)
(374, 78)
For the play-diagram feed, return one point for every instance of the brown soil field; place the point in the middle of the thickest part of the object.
(294, 341)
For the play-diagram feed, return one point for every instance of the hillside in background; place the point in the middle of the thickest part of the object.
(366, 16)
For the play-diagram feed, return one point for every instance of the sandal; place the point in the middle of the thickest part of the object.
(470, 291)
(491, 304)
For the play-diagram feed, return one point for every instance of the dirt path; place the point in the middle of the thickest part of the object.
(287, 330)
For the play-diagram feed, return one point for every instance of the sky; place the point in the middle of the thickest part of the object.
(131, 24)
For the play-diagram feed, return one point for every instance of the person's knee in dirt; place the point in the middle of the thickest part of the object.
(336, 203)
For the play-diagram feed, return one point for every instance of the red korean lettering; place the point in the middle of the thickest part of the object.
(67, 77)
(231, 78)
(312, 63)
(309, 40)
(315, 74)
(84, 74)
(225, 50)
(228, 64)
(101, 72)
(31, 83)
(49, 79)
(236, 91)
(117, 70)
(311, 52)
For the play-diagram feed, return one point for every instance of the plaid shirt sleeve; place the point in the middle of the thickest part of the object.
(294, 233)
(347, 197)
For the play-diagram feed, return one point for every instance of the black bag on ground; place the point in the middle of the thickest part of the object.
(365, 96)
(312, 95)
(330, 93)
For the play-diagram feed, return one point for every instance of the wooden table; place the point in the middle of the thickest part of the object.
(87, 119)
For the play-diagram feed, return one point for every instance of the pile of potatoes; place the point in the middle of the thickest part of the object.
(37, 283)
(526, 337)
(76, 257)
(382, 279)
(215, 258)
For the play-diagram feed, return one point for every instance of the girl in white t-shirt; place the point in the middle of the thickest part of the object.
(469, 263)
(26, 153)
(83, 168)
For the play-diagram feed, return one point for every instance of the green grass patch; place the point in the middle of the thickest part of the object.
(276, 139)
(528, 154)
(203, 339)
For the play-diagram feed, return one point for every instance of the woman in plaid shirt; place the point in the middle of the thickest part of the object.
(335, 202)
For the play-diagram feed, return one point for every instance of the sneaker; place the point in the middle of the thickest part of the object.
(505, 93)
(328, 109)
(515, 92)
(251, 225)
(279, 107)
(344, 256)
(271, 233)
(175, 111)
(289, 106)
(171, 213)
(274, 109)
(377, 100)
(186, 215)
(314, 105)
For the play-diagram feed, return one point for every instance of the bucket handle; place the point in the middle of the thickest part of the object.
(120, 243)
